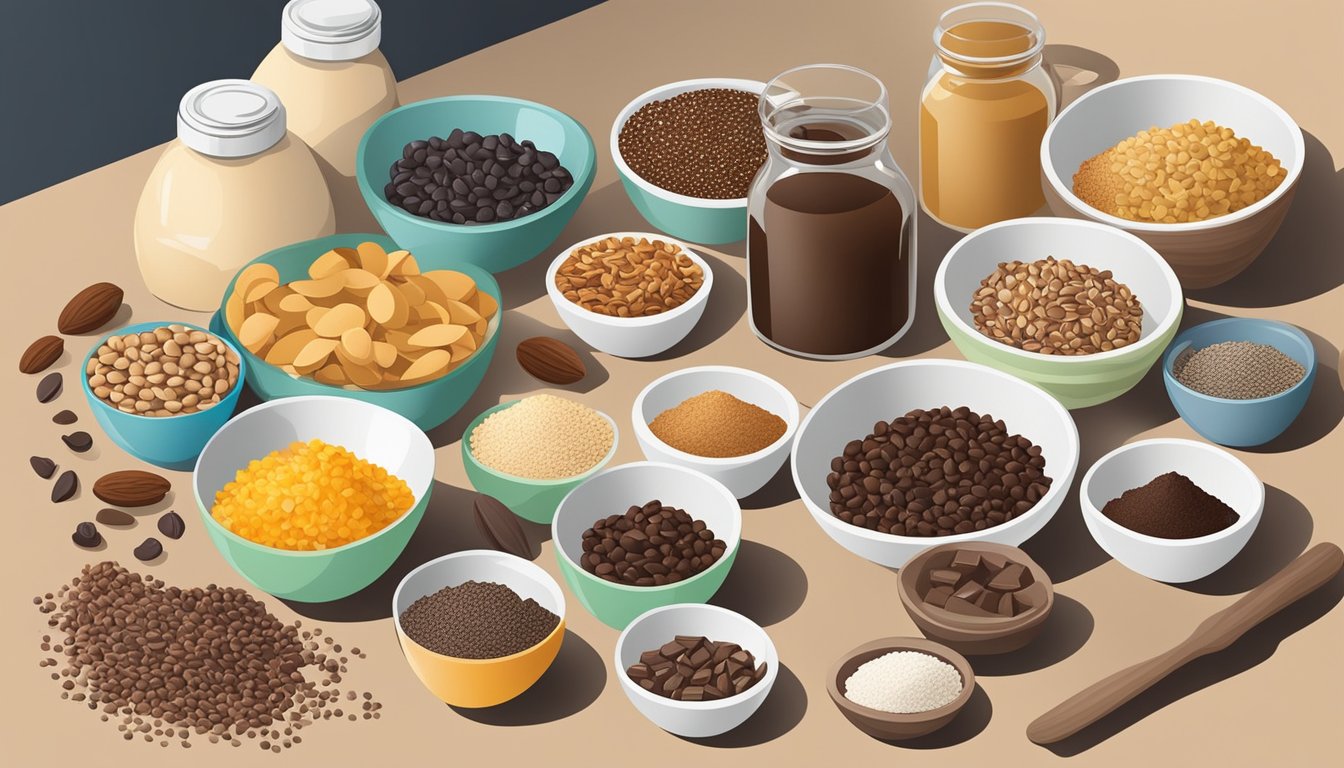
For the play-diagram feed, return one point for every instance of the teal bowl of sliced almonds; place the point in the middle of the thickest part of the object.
(427, 377)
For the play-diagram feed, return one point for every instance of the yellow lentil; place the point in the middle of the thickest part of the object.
(1189, 172)
(311, 496)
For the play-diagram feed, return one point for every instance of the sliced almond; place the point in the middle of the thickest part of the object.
(295, 303)
(363, 376)
(319, 289)
(427, 365)
(272, 299)
(357, 345)
(430, 288)
(373, 258)
(415, 295)
(455, 285)
(340, 319)
(332, 374)
(287, 348)
(384, 354)
(360, 281)
(234, 311)
(402, 341)
(484, 304)
(253, 274)
(314, 354)
(260, 290)
(257, 330)
(463, 314)
(327, 265)
(438, 335)
(382, 302)
(404, 265)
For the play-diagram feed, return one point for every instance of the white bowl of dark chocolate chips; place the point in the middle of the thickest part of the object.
(925, 452)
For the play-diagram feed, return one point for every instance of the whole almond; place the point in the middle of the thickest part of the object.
(501, 527)
(131, 488)
(90, 309)
(550, 360)
(41, 354)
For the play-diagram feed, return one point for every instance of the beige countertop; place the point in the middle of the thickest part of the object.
(1273, 699)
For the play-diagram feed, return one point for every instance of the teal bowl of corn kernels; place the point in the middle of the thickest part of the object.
(1240, 422)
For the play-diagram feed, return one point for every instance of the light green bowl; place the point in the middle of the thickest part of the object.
(429, 404)
(530, 499)
(614, 491)
(1076, 381)
(374, 434)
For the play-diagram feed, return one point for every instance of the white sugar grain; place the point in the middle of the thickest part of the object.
(542, 437)
(904, 682)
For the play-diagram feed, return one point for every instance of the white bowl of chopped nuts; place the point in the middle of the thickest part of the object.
(1075, 363)
(630, 294)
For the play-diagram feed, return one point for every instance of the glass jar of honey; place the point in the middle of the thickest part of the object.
(982, 116)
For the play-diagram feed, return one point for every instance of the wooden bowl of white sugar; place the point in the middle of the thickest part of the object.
(900, 688)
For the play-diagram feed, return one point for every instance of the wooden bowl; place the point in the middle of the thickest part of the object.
(886, 725)
(975, 635)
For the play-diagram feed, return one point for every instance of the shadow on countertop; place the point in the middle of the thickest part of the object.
(1255, 647)
(968, 724)
(779, 713)
(574, 681)
(1282, 534)
(764, 584)
(1066, 630)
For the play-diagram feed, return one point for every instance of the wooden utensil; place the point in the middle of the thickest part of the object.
(1298, 579)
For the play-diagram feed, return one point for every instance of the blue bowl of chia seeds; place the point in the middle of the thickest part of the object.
(1240, 381)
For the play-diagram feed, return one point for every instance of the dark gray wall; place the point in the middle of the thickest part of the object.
(87, 82)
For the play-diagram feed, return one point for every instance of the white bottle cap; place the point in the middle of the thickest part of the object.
(230, 118)
(331, 30)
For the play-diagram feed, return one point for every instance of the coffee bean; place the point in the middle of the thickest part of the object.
(65, 418)
(79, 442)
(65, 486)
(49, 388)
(43, 466)
(86, 535)
(172, 525)
(650, 545)
(149, 549)
(115, 517)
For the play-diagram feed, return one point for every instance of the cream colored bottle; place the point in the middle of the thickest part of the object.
(334, 82)
(234, 185)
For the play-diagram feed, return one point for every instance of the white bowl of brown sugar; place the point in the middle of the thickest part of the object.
(735, 425)
(630, 294)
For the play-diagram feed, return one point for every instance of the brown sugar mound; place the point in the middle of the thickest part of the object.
(716, 425)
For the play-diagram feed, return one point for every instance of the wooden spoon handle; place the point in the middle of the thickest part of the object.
(1302, 576)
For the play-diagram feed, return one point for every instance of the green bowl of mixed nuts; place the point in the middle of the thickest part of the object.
(1079, 309)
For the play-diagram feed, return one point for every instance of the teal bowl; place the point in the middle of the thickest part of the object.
(429, 404)
(497, 246)
(374, 434)
(698, 220)
(530, 499)
(1241, 423)
(1076, 381)
(615, 490)
(171, 442)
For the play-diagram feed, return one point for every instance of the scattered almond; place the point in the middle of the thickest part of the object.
(550, 360)
(131, 488)
(90, 309)
(41, 354)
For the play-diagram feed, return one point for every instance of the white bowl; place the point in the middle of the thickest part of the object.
(850, 410)
(743, 475)
(1172, 560)
(1077, 381)
(631, 336)
(1203, 253)
(695, 719)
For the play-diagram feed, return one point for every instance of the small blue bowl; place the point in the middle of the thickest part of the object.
(1241, 422)
(698, 220)
(171, 442)
(429, 404)
(497, 246)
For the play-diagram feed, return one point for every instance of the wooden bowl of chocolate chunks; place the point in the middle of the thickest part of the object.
(978, 598)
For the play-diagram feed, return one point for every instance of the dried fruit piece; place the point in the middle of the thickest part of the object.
(79, 442)
(49, 388)
(86, 535)
(64, 418)
(41, 354)
(65, 486)
(550, 360)
(43, 466)
(148, 550)
(172, 525)
(115, 517)
(90, 309)
(131, 488)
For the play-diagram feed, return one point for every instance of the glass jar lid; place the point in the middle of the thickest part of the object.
(987, 38)
(825, 109)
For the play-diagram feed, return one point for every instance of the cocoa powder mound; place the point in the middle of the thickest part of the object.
(1170, 506)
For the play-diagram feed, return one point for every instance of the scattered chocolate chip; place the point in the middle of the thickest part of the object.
(149, 549)
(43, 466)
(79, 442)
(49, 387)
(116, 517)
(65, 486)
(87, 535)
(65, 418)
(172, 526)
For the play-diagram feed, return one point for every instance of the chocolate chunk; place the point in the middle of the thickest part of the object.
(988, 601)
(65, 486)
(65, 418)
(43, 466)
(1020, 604)
(970, 591)
(86, 535)
(115, 517)
(149, 549)
(993, 562)
(938, 596)
(49, 388)
(1013, 577)
(946, 576)
(1005, 608)
(964, 607)
(965, 561)
(172, 526)
(79, 442)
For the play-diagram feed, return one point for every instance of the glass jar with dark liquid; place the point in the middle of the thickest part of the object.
(830, 257)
